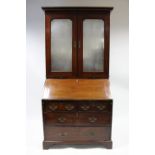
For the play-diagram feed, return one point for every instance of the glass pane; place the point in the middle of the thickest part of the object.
(93, 45)
(61, 45)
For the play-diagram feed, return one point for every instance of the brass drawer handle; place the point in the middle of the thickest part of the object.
(69, 107)
(62, 119)
(53, 107)
(92, 119)
(63, 134)
(85, 107)
(101, 107)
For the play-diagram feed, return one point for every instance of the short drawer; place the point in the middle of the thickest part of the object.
(99, 106)
(94, 118)
(77, 133)
(59, 118)
(59, 106)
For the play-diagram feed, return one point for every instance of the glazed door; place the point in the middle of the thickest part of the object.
(61, 39)
(93, 46)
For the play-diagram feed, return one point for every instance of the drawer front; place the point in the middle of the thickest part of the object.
(98, 106)
(94, 118)
(77, 133)
(78, 119)
(60, 106)
(74, 106)
(59, 119)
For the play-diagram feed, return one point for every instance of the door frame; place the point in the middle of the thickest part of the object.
(49, 16)
(106, 19)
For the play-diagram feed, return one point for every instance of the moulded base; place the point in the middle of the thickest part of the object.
(76, 144)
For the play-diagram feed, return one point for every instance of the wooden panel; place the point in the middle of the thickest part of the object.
(77, 89)
(77, 133)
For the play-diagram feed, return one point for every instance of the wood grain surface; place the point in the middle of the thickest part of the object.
(77, 89)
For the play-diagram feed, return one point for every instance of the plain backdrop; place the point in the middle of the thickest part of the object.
(35, 49)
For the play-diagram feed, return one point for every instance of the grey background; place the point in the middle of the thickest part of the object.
(119, 47)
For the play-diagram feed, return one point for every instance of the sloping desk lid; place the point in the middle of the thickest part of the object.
(77, 89)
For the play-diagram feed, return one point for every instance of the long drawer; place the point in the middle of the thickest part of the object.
(72, 106)
(79, 118)
(77, 133)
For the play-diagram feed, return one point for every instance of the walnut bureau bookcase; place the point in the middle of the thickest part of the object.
(76, 105)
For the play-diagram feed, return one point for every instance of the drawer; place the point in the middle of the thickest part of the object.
(92, 118)
(74, 106)
(59, 106)
(77, 133)
(99, 106)
(59, 118)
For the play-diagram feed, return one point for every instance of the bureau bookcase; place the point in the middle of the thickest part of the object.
(77, 105)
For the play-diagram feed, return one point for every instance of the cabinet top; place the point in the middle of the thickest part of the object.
(77, 89)
(78, 8)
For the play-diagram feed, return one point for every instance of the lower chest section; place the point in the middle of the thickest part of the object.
(77, 120)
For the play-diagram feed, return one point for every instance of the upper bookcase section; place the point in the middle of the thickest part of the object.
(77, 42)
